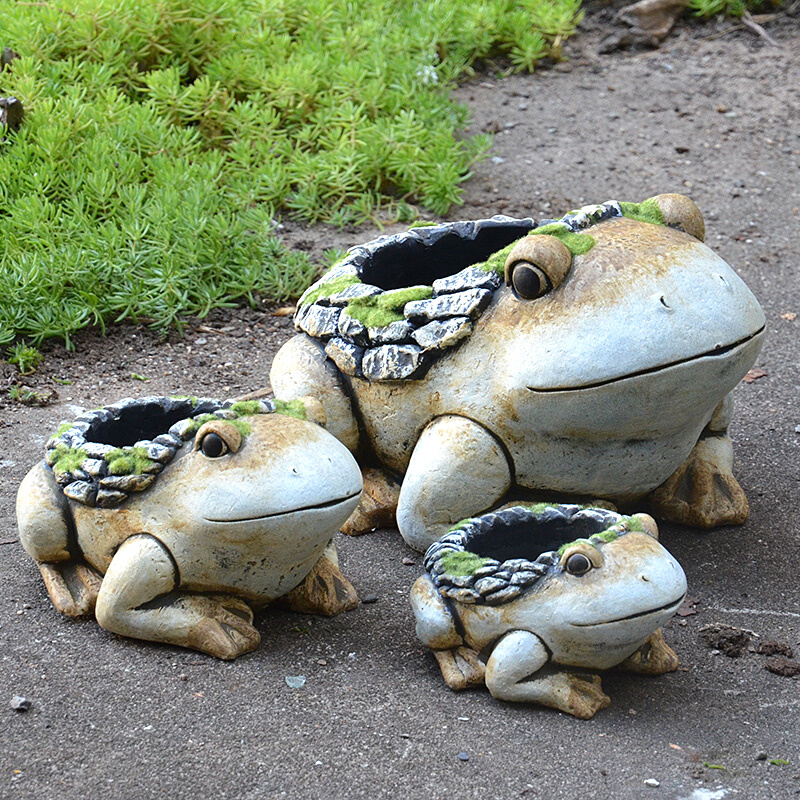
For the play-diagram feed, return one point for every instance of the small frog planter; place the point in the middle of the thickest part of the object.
(512, 598)
(590, 356)
(171, 518)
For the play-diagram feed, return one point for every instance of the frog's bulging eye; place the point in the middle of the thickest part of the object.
(577, 564)
(217, 437)
(529, 281)
(213, 445)
(537, 264)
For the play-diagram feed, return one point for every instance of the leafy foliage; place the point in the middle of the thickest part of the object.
(162, 138)
(731, 8)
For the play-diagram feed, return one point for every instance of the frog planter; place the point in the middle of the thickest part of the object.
(513, 597)
(192, 511)
(591, 356)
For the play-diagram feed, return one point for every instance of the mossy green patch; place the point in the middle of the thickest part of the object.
(291, 408)
(68, 459)
(635, 524)
(497, 261)
(422, 223)
(128, 461)
(576, 243)
(63, 428)
(245, 408)
(607, 536)
(326, 288)
(462, 562)
(564, 547)
(380, 310)
(646, 211)
(240, 425)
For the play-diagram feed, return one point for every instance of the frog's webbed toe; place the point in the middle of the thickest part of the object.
(138, 598)
(511, 675)
(702, 492)
(325, 590)
(73, 586)
(654, 657)
(378, 503)
(461, 667)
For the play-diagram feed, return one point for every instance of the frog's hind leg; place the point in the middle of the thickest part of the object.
(325, 590)
(458, 469)
(460, 665)
(45, 530)
(510, 676)
(139, 599)
(703, 492)
(378, 503)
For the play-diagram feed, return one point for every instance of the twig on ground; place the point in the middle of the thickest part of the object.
(749, 22)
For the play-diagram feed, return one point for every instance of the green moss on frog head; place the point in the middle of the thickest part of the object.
(291, 408)
(462, 562)
(128, 461)
(380, 310)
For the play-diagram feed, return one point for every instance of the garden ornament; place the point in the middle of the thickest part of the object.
(512, 598)
(171, 518)
(590, 356)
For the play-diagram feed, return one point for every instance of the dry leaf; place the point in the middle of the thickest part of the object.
(687, 608)
(754, 375)
(284, 311)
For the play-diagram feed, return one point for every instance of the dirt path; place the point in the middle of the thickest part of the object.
(716, 118)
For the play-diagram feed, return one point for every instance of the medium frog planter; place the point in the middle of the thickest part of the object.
(591, 357)
(192, 511)
(513, 597)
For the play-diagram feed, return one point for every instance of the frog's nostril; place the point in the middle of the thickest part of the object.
(645, 578)
(663, 301)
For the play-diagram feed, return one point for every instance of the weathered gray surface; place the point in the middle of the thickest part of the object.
(112, 718)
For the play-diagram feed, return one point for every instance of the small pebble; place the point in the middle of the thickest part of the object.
(761, 756)
(20, 703)
(409, 562)
(652, 782)
(322, 662)
(295, 681)
(183, 677)
(462, 756)
(367, 599)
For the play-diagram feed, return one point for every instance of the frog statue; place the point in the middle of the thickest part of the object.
(170, 518)
(589, 357)
(514, 596)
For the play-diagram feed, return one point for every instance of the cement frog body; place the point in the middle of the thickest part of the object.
(598, 373)
(242, 511)
(594, 603)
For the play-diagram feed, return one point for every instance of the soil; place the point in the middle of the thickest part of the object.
(714, 113)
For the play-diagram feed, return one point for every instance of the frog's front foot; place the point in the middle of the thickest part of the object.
(584, 697)
(140, 598)
(73, 586)
(654, 657)
(461, 667)
(225, 628)
(377, 506)
(325, 590)
(703, 493)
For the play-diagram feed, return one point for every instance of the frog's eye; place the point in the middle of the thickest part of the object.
(681, 212)
(577, 564)
(213, 445)
(217, 437)
(536, 265)
(529, 281)
(580, 557)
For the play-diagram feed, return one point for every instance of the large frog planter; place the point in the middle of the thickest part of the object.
(513, 597)
(171, 518)
(591, 356)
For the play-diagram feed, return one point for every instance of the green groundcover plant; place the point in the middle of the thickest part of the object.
(163, 139)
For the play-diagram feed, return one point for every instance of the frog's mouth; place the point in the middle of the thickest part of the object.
(671, 606)
(715, 353)
(315, 507)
